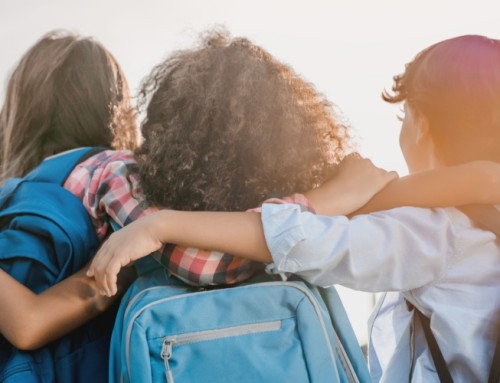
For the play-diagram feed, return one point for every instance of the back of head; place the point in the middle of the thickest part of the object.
(455, 84)
(66, 92)
(227, 126)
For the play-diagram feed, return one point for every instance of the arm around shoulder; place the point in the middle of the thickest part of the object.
(239, 234)
(472, 182)
(484, 182)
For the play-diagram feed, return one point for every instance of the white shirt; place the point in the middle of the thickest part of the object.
(432, 257)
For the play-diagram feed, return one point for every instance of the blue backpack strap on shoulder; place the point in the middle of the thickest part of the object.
(46, 235)
(57, 168)
(45, 232)
(53, 170)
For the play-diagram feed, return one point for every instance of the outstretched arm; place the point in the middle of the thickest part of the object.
(115, 192)
(239, 234)
(29, 320)
(473, 182)
(236, 233)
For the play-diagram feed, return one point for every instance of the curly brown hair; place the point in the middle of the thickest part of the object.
(227, 126)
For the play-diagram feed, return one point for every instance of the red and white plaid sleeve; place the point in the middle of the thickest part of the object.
(108, 185)
(203, 268)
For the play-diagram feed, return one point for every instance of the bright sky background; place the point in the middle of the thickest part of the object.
(349, 49)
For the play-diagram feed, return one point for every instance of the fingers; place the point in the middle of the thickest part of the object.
(384, 177)
(353, 156)
(393, 175)
(120, 249)
(105, 268)
(107, 280)
(359, 163)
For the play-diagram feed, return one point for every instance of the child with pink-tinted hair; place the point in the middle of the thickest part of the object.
(436, 260)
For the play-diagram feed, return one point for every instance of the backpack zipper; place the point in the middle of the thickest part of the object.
(337, 343)
(207, 335)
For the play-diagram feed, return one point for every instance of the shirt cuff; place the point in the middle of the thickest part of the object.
(297, 198)
(283, 231)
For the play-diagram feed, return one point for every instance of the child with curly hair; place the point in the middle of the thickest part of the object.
(437, 260)
(226, 127)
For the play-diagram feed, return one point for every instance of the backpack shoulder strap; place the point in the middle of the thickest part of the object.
(57, 168)
(486, 217)
(43, 224)
(437, 356)
(53, 170)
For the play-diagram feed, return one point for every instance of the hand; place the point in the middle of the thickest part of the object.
(123, 247)
(355, 182)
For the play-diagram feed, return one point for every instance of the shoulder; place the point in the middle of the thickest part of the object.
(448, 226)
(102, 168)
(106, 157)
(108, 160)
(413, 216)
(429, 224)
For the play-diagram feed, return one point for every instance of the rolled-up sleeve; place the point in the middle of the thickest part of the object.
(399, 249)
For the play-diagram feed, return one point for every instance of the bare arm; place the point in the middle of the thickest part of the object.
(239, 234)
(473, 182)
(356, 182)
(29, 321)
(236, 233)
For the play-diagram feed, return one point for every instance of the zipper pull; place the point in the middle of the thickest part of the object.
(166, 354)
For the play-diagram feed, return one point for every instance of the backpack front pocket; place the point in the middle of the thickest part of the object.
(235, 354)
(266, 332)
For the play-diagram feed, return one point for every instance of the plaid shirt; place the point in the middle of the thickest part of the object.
(108, 185)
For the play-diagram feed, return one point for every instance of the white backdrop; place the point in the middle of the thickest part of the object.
(349, 49)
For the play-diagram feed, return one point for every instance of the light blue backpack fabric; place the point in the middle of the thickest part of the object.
(263, 331)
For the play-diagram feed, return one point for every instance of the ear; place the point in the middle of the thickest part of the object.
(423, 131)
(426, 143)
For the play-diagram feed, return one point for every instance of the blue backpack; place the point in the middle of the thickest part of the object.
(262, 331)
(46, 235)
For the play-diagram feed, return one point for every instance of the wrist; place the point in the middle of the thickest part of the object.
(160, 225)
(323, 202)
